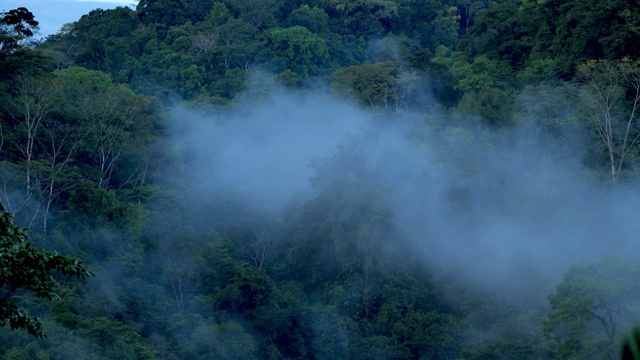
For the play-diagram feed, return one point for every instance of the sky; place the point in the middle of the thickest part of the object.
(52, 14)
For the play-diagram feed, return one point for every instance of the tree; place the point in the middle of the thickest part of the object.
(258, 13)
(34, 100)
(485, 83)
(30, 109)
(470, 8)
(445, 26)
(114, 117)
(315, 19)
(27, 268)
(381, 84)
(492, 105)
(239, 46)
(547, 111)
(570, 31)
(54, 173)
(479, 74)
(16, 25)
(181, 279)
(362, 17)
(612, 96)
(296, 49)
(591, 29)
(604, 292)
(103, 40)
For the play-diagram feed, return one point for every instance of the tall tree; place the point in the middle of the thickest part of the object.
(15, 26)
(604, 292)
(34, 101)
(29, 109)
(612, 97)
(382, 84)
(115, 118)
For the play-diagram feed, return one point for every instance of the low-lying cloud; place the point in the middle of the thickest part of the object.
(497, 207)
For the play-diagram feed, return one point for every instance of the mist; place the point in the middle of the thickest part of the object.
(503, 209)
(262, 150)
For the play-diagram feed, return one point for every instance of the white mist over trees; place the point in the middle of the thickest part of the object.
(488, 204)
(504, 212)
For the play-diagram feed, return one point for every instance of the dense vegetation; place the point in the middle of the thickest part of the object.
(485, 122)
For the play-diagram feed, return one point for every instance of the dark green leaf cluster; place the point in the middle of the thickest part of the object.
(202, 50)
(27, 268)
(603, 292)
(16, 25)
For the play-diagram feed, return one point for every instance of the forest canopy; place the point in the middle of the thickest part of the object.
(425, 179)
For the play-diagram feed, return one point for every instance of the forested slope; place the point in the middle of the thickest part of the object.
(370, 179)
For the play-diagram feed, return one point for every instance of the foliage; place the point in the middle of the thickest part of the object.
(612, 103)
(16, 25)
(631, 345)
(382, 84)
(87, 164)
(571, 32)
(603, 292)
(296, 49)
(23, 267)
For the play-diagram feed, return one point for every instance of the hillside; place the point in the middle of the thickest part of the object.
(371, 179)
